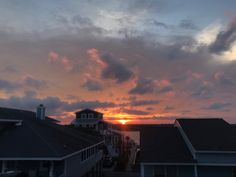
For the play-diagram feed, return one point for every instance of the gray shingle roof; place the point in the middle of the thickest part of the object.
(163, 144)
(41, 139)
(210, 134)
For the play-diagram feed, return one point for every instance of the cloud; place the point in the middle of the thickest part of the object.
(53, 57)
(208, 35)
(10, 69)
(143, 86)
(134, 112)
(54, 104)
(217, 106)
(159, 24)
(92, 85)
(223, 80)
(149, 85)
(188, 24)
(112, 67)
(224, 40)
(64, 62)
(203, 90)
(169, 108)
(34, 83)
(164, 86)
(144, 102)
(8, 86)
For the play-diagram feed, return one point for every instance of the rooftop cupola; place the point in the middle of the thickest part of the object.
(40, 112)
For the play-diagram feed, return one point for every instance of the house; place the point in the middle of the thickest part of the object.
(189, 148)
(34, 144)
(88, 118)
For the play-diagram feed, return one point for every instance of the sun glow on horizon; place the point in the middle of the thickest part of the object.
(123, 121)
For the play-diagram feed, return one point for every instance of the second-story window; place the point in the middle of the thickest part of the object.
(83, 116)
(90, 115)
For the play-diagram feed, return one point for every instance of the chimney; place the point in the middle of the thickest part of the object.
(40, 112)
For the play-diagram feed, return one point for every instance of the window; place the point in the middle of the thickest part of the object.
(83, 116)
(90, 116)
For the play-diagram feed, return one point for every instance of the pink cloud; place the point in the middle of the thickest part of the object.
(64, 62)
(95, 56)
(53, 57)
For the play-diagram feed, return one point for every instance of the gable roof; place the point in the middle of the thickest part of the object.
(209, 134)
(87, 111)
(40, 139)
(163, 144)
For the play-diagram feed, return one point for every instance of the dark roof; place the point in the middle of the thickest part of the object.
(163, 144)
(41, 139)
(210, 134)
(87, 111)
(17, 114)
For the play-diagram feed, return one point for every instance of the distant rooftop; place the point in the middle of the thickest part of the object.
(88, 111)
(210, 134)
(18, 114)
(163, 144)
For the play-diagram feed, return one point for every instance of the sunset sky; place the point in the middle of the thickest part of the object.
(130, 59)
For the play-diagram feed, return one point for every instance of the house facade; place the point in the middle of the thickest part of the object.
(36, 146)
(189, 148)
(90, 119)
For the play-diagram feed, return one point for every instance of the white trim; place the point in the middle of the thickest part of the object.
(185, 137)
(10, 120)
(217, 152)
(151, 163)
(52, 158)
(186, 164)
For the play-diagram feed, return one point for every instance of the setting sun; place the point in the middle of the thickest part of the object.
(122, 121)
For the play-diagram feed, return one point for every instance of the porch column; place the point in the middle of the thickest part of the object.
(3, 167)
(195, 171)
(51, 169)
(142, 170)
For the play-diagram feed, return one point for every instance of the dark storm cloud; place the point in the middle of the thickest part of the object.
(224, 40)
(8, 86)
(114, 69)
(217, 106)
(134, 112)
(143, 86)
(111, 67)
(92, 85)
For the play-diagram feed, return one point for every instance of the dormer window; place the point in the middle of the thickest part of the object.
(83, 116)
(90, 116)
